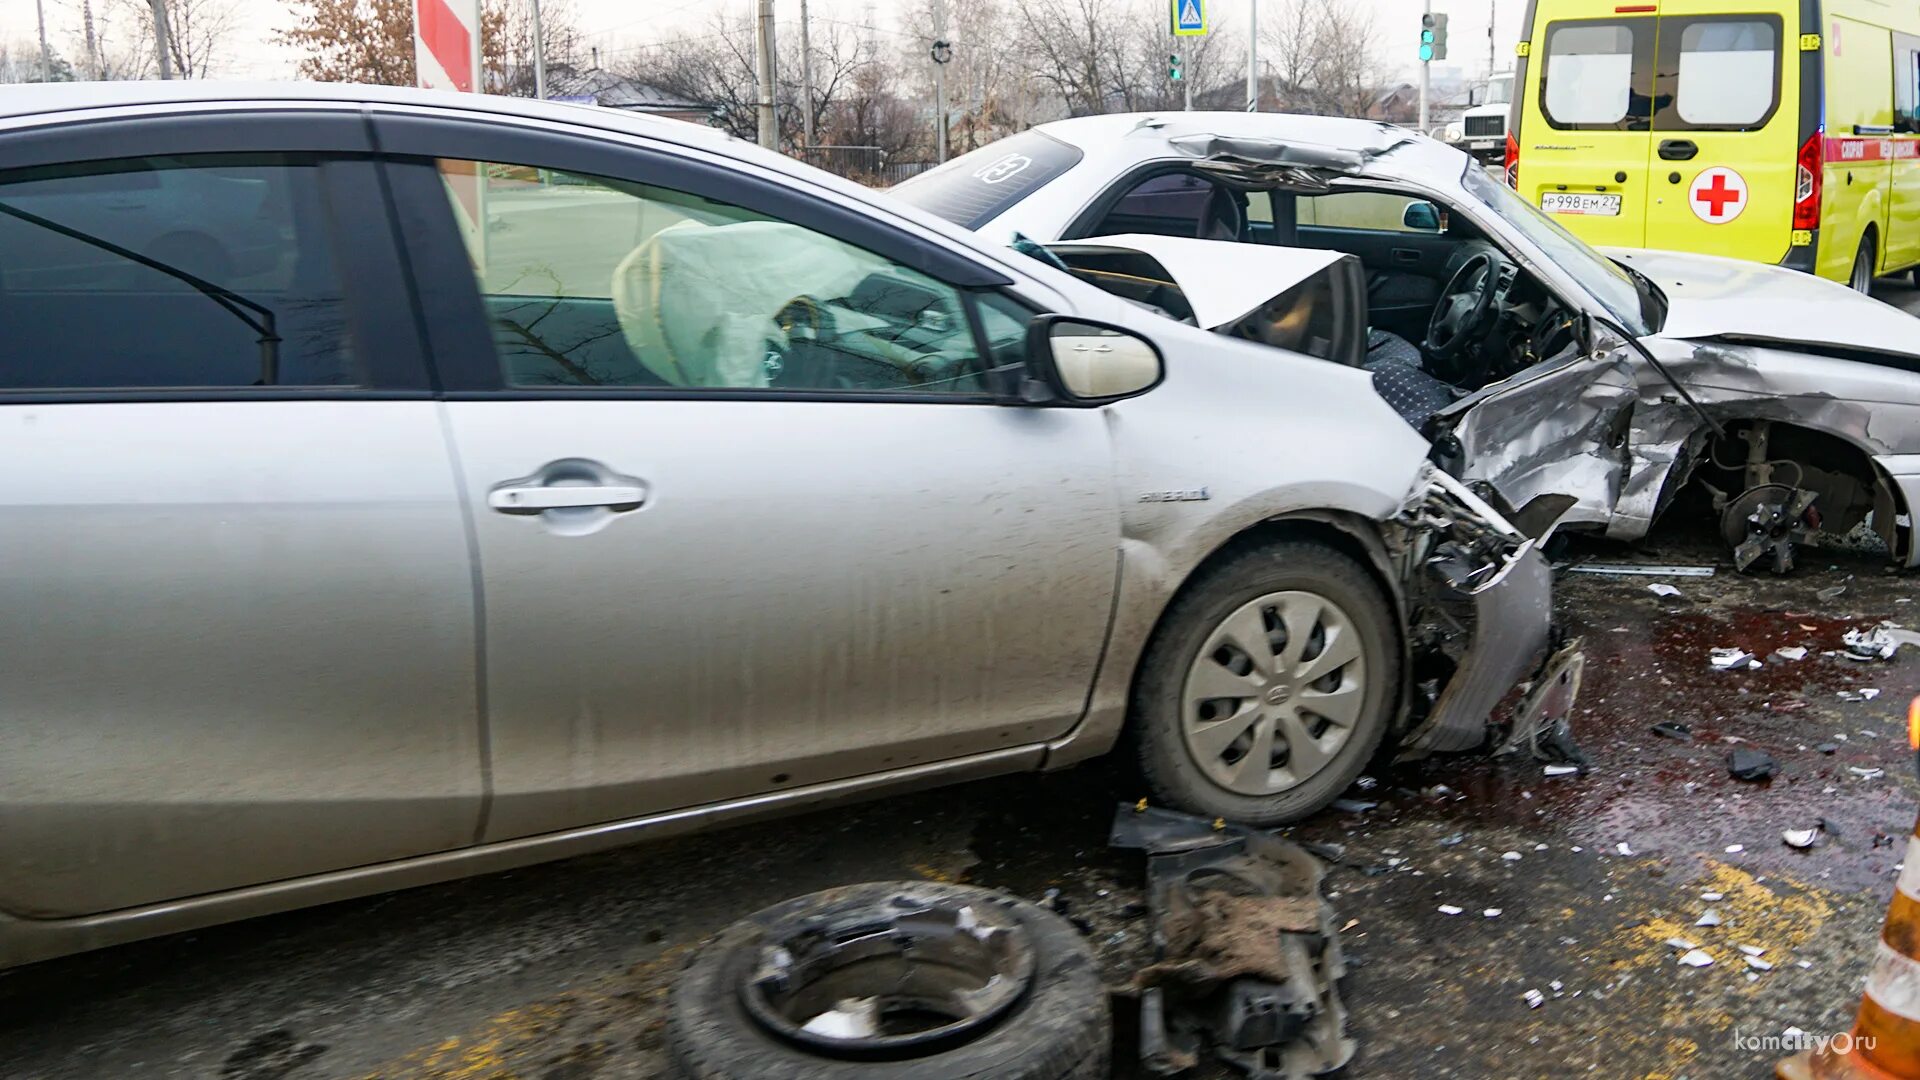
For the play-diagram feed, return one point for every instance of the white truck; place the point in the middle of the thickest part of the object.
(1483, 127)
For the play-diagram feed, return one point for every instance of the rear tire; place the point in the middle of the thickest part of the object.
(1860, 280)
(1318, 725)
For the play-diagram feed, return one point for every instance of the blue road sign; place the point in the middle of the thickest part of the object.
(1189, 17)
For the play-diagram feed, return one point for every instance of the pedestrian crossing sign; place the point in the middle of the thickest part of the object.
(1189, 17)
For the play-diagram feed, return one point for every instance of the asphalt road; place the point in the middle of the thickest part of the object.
(559, 972)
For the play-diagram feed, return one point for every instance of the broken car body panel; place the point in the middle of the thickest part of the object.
(1798, 372)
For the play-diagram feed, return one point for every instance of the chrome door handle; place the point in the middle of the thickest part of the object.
(535, 498)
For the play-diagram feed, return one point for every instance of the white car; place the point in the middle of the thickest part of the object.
(1580, 386)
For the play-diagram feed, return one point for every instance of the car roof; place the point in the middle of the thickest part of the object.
(24, 102)
(1334, 132)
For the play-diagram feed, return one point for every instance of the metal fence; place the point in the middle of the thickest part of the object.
(867, 164)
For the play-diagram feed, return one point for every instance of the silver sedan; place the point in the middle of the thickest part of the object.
(562, 479)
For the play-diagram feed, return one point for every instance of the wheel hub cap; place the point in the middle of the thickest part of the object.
(1275, 692)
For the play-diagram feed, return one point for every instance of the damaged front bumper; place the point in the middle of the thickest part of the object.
(1481, 611)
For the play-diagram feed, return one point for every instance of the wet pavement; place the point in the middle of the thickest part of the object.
(559, 972)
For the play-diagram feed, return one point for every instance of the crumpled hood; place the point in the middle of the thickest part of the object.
(1711, 296)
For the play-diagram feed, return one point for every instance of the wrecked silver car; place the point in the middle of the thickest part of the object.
(1575, 386)
(685, 484)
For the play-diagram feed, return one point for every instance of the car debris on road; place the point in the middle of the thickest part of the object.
(1248, 957)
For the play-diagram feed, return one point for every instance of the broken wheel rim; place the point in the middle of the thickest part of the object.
(891, 981)
(1276, 691)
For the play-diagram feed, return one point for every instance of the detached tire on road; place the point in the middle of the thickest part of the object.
(1269, 684)
(741, 1006)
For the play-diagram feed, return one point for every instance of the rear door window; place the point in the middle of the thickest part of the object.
(1598, 75)
(198, 271)
(1725, 72)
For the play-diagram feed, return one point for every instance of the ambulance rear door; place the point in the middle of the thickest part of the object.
(1725, 122)
(1586, 120)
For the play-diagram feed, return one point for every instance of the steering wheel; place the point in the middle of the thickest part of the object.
(1465, 311)
(815, 358)
(1223, 216)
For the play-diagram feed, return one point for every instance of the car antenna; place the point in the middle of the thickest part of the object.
(269, 340)
(1718, 431)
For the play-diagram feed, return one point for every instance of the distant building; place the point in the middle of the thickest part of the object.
(598, 86)
(1396, 105)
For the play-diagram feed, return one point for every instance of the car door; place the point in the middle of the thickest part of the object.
(1903, 195)
(1721, 163)
(749, 512)
(1398, 238)
(1584, 149)
(1555, 429)
(238, 608)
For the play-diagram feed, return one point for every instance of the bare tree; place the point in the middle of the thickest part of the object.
(21, 62)
(198, 31)
(714, 64)
(115, 41)
(1321, 56)
(510, 58)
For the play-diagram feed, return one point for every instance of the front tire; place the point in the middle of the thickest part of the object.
(1269, 685)
(1860, 279)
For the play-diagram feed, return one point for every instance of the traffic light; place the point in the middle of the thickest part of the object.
(1433, 37)
(1173, 67)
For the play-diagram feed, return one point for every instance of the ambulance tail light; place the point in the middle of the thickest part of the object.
(1513, 161)
(1806, 183)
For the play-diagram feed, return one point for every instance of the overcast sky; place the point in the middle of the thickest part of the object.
(617, 24)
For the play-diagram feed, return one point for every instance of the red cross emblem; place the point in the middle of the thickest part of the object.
(1718, 195)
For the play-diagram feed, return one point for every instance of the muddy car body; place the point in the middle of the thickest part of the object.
(1610, 379)
(278, 640)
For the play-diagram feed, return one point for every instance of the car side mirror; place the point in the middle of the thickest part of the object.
(1083, 363)
(1421, 217)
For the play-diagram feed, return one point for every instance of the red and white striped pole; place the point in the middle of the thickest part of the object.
(446, 56)
(446, 44)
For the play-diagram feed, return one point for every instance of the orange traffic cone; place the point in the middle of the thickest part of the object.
(1885, 1041)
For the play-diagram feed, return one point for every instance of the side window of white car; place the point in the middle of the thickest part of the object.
(1378, 211)
(190, 272)
(595, 282)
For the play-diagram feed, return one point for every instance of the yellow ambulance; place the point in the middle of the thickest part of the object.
(1786, 131)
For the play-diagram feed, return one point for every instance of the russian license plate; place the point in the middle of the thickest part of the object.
(1573, 202)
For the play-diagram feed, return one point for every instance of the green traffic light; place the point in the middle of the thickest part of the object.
(1426, 52)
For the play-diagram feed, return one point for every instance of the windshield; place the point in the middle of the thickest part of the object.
(1500, 90)
(977, 187)
(1628, 299)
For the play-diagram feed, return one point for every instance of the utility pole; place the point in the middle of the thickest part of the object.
(46, 54)
(539, 56)
(160, 43)
(1426, 20)
(769, 123)
(942, 52)
(806, 80)
(93, 41)
(1253, 55)
(1491, 4)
